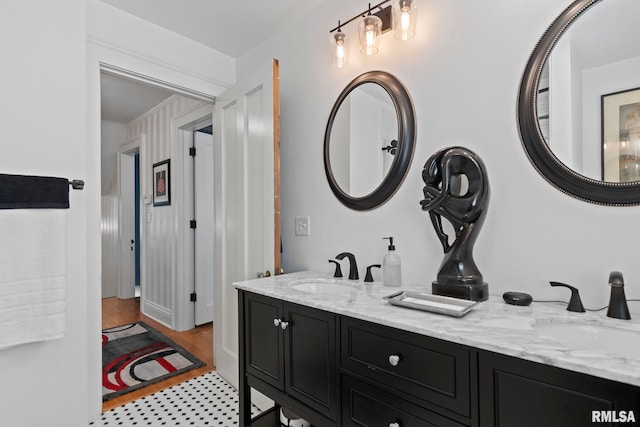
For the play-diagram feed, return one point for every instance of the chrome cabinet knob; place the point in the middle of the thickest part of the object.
(284, 325)
(276, 322)
(396, 424)
(394, 359)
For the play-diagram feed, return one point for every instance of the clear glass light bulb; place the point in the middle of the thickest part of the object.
(369, 29)
(339, 51)
(405, 16)
(370, 37)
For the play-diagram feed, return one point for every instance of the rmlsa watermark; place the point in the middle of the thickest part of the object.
(613, 417)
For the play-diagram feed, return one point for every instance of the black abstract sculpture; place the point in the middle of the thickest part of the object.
(457, 188)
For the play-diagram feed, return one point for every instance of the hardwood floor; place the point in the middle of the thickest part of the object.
(198, 341)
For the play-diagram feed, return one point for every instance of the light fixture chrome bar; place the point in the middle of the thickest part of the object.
(361, 14)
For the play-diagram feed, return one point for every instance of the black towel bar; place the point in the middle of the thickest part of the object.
(76, 184)
(35, 192)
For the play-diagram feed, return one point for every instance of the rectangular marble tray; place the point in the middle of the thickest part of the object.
(433, 303)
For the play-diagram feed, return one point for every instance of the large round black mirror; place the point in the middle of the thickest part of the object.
(579, 103)
(369, 140)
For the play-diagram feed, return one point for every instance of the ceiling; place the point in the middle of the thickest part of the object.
(123, 100)
(231, 27)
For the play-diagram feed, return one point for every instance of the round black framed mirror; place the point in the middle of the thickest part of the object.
(369, 140)
(579, 157)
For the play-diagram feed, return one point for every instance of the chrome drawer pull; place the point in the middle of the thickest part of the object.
(276, 322)
(394, 359)
(284, 325)
(394, 424)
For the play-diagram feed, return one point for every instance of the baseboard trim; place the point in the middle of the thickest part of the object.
(157, 313)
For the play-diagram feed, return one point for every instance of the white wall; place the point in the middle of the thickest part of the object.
(128, 42)
(112, 134)
(463, 70)
(43, 121)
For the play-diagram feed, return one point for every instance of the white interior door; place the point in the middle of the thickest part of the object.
(204, 233)
(127, 227)
(245, 129)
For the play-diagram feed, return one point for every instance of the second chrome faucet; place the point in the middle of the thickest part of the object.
(618, 307)
(353, 266)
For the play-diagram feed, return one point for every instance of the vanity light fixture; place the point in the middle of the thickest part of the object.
(371, 26)
(404, 19)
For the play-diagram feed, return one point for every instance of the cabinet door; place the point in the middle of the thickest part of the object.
(264, 339)
(515, 392)
(310, 358)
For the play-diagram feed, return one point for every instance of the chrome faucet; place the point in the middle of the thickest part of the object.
(353, 266)
(575, 303)
(338, 272)
(617, 301)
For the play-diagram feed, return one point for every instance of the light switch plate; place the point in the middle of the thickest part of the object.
(303, 226)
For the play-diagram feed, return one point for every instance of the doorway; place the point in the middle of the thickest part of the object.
(196, 239)
(128, 211)
(129, 220)
(146, 249)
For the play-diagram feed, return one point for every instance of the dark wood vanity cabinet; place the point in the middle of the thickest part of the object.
(516, 392)
(335, 370)
(291, 349)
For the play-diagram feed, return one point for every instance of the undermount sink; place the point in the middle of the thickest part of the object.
(623, 342)
(324, 286)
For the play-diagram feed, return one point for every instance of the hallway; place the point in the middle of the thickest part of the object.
(198, 341)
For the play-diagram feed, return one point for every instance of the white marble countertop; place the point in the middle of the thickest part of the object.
(491, 325)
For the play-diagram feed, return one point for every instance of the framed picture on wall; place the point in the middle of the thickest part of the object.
(621, 136)
(161, 181)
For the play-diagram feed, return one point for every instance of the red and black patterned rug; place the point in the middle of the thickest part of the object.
(136, 355)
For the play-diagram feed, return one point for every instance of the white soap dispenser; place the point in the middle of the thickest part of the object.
(391, 266)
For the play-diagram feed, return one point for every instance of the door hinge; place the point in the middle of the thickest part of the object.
(192, 151)
(193, 297)
(192, 223)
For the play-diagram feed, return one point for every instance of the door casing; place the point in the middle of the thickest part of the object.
(182, 279)
(126, 220)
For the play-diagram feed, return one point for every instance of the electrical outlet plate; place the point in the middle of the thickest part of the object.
(303, 226)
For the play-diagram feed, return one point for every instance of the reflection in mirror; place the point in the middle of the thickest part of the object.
(577, 101)
(363, 136)
(587, 99)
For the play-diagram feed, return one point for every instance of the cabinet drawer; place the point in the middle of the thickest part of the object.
(364, 405)
(429, 369)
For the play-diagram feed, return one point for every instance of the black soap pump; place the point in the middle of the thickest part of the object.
(391, 266)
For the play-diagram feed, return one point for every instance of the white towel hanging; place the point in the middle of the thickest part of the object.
(33, 282)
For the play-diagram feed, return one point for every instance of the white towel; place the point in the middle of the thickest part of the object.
(33, 268)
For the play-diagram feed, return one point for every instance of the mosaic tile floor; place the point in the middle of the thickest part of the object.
(207, 400)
